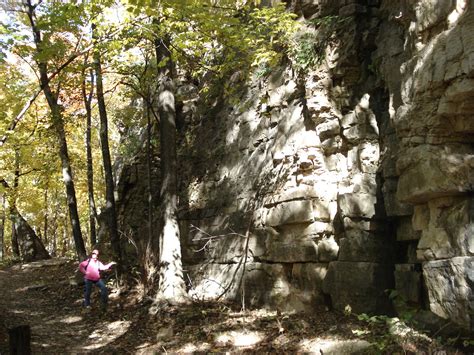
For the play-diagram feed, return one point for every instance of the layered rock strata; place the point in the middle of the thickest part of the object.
(332, 187)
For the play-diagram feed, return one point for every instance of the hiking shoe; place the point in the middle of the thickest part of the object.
(86, 309)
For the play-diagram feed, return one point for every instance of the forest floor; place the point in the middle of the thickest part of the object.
(41, 295)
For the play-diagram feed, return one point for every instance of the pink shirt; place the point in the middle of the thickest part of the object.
(92, 272)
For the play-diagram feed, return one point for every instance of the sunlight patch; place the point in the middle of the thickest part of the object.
(191, 348)
(333, 346)
(239, 338)
(105, 335)
(17, 311)
(71, 319)
(143, 346)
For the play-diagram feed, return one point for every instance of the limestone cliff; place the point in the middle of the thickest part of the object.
(336, 185)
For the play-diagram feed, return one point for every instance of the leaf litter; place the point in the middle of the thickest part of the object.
(41, 295)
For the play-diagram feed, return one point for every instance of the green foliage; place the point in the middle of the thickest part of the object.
(467, 342)
(8, 261)
(263, 70)
(309, 45)
(215, 44)
(224, 40)
(305, 54)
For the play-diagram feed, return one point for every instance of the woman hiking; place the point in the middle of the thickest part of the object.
(91, 268)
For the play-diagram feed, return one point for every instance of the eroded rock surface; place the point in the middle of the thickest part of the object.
(341, 183)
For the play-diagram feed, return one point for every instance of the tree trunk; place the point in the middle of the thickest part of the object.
(12, 206)
(111, 214)
(29, 246)
(58, 124)
(171, 287)
(148, 170)
(64, 240)
(148, 249)
(90, 169)
(2, 226)
(54, 251)
(45, 221)
(20, 340)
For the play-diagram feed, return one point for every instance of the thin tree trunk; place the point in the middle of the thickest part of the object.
(12, 206)
(55, 234)
(111, 213)
(58, 124)
(2, 226)
(149, 253)
(171, 287)
(15, 246)
(150, 188)
(90, 170)
(45, 222)
(64, 241)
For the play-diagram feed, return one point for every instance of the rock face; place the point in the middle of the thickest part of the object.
(31, 247)
(339, 184)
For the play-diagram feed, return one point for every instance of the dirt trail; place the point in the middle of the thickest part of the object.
(39, 294)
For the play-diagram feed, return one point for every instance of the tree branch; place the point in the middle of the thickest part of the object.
(32, 99)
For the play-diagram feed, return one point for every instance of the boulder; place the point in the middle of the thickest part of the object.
(450, 285)
(449, 230)
(359, 285)
(428, 172)
(307, 282)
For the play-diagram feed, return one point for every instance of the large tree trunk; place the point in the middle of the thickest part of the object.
(90, 170)
(111, 214)
(171, 286)
(58, 124)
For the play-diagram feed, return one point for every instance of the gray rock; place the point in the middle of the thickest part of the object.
(408, 283)
(328, 249)
(450, 285)
(357, 205)
(286, 250)
(405, 230)
(290, 212)
(449, 231)
(359, 285)
(367, 247)
(393, 206)
(428, 172)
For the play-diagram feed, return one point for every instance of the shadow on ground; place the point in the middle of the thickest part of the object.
(41, 295)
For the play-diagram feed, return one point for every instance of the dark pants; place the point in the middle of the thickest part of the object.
(88, 289)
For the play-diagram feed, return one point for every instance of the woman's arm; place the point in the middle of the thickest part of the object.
(107, 266)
